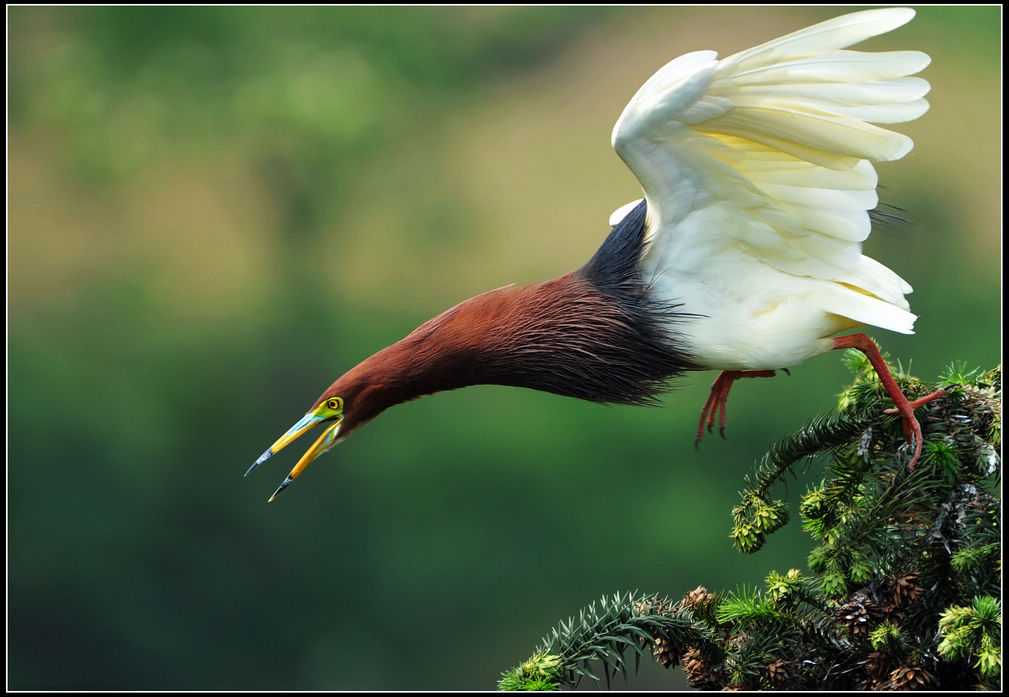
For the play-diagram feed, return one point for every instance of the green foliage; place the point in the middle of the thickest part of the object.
(540, 672)
(958, 374)
(745, 606)
(974, 632)
(755, 518)
(834, 585)
(967, 559)
(941, 456)
(904, 574)
(601, 636)
(781, 590)
(886, 636)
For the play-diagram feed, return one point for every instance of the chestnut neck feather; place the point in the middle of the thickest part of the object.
(593, 333)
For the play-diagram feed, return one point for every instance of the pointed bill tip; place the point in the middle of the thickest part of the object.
(280, 488)
(262, 458)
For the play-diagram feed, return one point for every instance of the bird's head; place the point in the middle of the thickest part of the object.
(359, 395)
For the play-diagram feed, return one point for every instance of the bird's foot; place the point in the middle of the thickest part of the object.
(719, 397)
(902, 405)
(912, 429)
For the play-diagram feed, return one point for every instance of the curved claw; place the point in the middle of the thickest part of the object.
(916, 438)
(719, 397)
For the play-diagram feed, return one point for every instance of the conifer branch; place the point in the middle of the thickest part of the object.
(903, 583)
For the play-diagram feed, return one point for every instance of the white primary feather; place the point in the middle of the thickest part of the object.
(758, 174)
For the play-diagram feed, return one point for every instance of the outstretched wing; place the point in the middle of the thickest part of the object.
(768, 152)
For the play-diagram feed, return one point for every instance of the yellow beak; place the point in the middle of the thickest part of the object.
(306, 423)
(326, 441)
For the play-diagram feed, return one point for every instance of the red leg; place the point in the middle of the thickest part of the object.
(912, 429)
(719, 397)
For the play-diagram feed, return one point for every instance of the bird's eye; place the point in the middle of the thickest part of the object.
(335, 403)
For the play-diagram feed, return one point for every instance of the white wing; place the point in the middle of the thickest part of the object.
(767, 154)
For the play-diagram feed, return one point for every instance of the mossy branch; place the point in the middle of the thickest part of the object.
(903, 584)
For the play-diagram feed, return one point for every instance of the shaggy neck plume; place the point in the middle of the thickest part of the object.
(591, 334)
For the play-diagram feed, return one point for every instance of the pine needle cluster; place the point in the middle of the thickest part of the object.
(602, 638)
(903, 584)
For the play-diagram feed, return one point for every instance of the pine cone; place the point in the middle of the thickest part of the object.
(665, 653)
(858, 614)
(652, 606)
(906, 588)
(877, 668)
(912, 677)
(781, 671)
(663, 650)
(699, 672)
(888, 607)
(699, 597)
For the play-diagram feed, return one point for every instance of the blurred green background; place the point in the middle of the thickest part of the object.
(213, 212)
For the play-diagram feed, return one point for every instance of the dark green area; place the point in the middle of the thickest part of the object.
(425, 552)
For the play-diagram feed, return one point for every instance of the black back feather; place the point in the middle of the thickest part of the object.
(649, 353)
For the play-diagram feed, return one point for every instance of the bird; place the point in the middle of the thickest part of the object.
(744, 254)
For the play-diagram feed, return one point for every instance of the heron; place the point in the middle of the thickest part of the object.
(744, 254)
